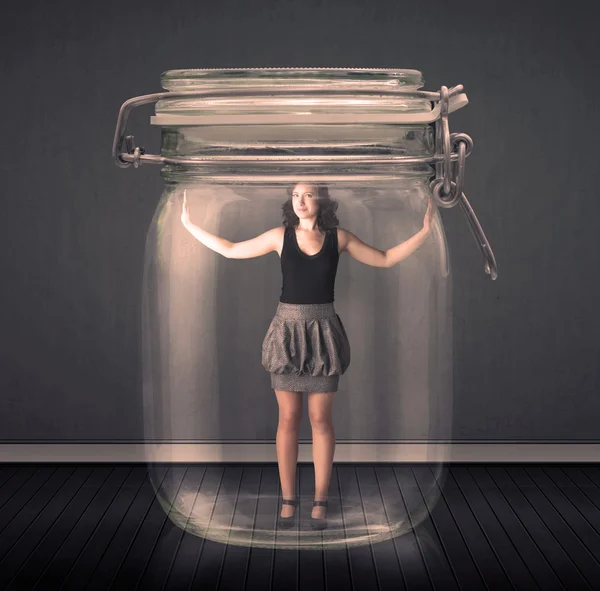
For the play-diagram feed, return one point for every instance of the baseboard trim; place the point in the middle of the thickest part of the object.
(251, 452)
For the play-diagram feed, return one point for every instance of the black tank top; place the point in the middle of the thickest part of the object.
(308, 279)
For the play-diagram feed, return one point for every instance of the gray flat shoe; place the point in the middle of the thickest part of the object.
(287, 522)
(315, 522)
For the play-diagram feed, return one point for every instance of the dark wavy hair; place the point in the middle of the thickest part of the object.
(326, 217)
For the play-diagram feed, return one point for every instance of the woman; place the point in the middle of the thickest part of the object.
(306, 348)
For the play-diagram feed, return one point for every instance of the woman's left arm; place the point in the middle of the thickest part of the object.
(405, 249)
(368, 255)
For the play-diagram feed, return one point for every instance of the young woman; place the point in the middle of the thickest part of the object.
(306, 348)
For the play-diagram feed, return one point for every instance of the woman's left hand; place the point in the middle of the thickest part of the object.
(428, 217)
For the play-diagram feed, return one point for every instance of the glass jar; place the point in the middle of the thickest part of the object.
(236, 142)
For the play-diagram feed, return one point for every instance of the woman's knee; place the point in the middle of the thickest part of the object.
(290, 409)
(289, 422)
(321, 422)
(320, 410)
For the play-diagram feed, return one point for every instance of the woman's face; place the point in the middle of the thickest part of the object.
(304, 200)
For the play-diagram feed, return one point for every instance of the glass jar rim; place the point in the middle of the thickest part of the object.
(180, 79)
(292, 95)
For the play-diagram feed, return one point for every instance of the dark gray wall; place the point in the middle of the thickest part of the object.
(74, 225)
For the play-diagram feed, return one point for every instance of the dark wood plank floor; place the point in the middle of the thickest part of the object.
(496, 526)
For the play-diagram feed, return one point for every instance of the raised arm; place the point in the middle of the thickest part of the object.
(263, 244)
(378, 258)
(255, 247)
(266, 242)
(360, 251)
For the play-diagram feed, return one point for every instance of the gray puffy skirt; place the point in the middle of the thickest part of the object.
(306, 348)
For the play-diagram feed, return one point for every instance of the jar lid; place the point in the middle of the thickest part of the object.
(192, 79)
(297, 96)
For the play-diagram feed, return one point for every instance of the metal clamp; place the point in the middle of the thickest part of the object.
(124, 159)
(133, 155)
(447, 188)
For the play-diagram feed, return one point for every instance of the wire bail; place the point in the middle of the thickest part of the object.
(447, 187)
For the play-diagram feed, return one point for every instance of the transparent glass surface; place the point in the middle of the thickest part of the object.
(207, 398)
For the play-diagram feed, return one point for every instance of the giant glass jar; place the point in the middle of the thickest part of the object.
(235, 141)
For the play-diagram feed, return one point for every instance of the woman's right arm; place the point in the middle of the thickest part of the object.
(255, 247)
(263, 244)
(219, 245)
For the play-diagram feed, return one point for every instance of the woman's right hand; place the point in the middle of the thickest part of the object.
(185, 212)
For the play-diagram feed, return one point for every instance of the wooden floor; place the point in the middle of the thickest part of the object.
(509, 526)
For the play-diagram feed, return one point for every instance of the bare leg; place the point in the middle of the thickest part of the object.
(290, 413)
(320, 412)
